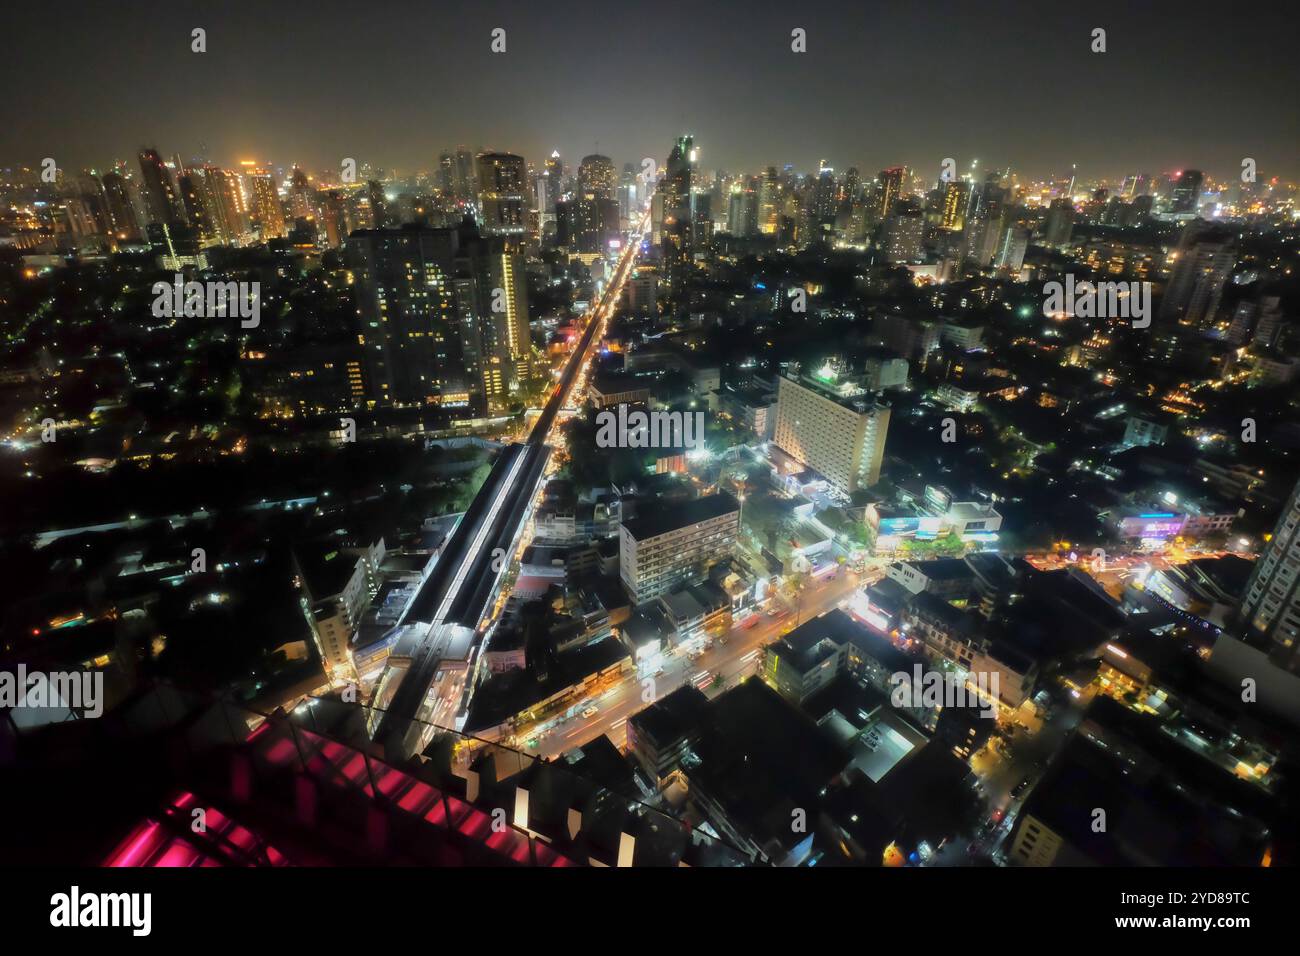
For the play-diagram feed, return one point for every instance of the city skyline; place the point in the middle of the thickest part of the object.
(593, 436)
(1031, 81)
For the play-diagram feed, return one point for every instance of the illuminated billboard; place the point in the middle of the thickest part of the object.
(1161, 525)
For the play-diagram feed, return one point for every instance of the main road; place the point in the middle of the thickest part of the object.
(731, 659)
(453, 601)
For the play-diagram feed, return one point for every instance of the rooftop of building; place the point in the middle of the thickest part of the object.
(325, 567)
(673, 717)
(670, 516)
(504, 695)
(848, 391)
(943, 569)
(1150, 818)
(760, 759)
(695, 601)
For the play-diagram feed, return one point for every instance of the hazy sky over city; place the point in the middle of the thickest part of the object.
(394, 82)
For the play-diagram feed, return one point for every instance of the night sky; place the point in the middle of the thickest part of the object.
(393, 83)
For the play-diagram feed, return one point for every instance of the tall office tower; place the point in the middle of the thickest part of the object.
(77, 219)
(379, 215)
(1060, 223)
(1186, 193)
(984, 225)
(677, 240)
(554, 179)
(850, 186)
(503, 194)
(1203, 262)
(194, 201)
(336, 218)
(1268, 325)
(1137, 212)
(673, 546)
(596, 176)
(904, 232)
(742, 210)
(769, 202)
(90, 192)
(628, 204)
(156, 187)
(579, 224)
(447, 174)
(824, 194)
(126, 227)
(409, 326)
(853, 221)
(303, 201)
(956, 203)
(465, 184)
(643, 293)
(891, 189)
(227, 204)
(266, 206)
(1011, 251)
(834, 427)
(1271, 606)
(702, 219)
(497, 264)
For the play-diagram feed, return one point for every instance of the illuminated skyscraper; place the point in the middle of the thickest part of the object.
(555, 179)
(628, 197)
(596, 176)
(406, 309)
(121, 213)
(379, 214)
(1203, 263)
(464, 183)
(956, 200)
(447, 174)
(1272, 603)
(303, 201)
(503, 194)
(824, 194)
(742, 210)
(1186, 194)
(1060, 223)
(160, 201)
(194, 201)
(227, 204)
(769, 202)
(904, 232)
(267, 209)
(677, 236)
(891, 189)
(501, 282)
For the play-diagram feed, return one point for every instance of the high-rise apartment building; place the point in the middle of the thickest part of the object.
(227, 203)
(409, 326)
(1186, 193)
(160, 203)
(1202, 265)
(890, 182)
(596, 176)
(1272, 603)
(503, 194)
(956, 200)
(904, 233)
(833, 426)
(1060, 223)
(674, 545)
(266, 206)
(675, 190)
(126, 226)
